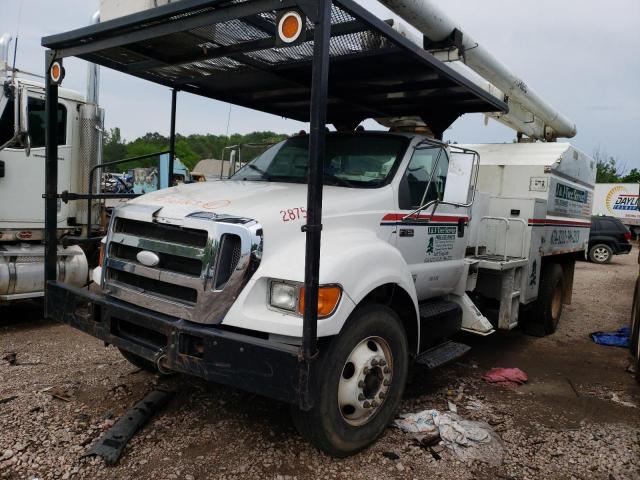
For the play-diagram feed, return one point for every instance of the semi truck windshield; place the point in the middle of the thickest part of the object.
(352, 160)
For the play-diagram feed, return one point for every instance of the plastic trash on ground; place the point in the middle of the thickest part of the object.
(468, 440)
(620, 338)
(507, 377)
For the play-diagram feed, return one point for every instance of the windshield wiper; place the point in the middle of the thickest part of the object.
(264, 174)
(338, 180)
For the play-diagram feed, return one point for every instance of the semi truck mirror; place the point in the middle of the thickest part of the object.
(24, 121)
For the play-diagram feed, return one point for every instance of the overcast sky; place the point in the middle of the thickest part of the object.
(582, 56)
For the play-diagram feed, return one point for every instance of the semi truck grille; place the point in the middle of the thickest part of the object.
(172, 263)
(161, 231)
(159, 288)
(194, 274)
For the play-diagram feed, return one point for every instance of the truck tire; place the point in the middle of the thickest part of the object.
(359, 381)
(141, 363)
(600, 253)
(543, 318)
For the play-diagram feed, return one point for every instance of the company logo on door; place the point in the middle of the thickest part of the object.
(565, 192)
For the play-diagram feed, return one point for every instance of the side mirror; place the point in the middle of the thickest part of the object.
(23, 123)
(460, 181)
(232, 163)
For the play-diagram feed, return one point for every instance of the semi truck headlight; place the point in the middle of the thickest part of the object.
(284, 296)
(290, 297)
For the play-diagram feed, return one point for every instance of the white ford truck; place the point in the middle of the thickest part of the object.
(323, 269)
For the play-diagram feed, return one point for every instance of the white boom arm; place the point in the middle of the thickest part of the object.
(529, 113)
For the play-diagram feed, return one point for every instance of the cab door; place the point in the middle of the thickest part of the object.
(22, 186)
(432, 243)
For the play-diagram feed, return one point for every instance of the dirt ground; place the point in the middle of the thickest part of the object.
(577, 417)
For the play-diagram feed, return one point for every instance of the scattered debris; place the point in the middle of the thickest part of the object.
(619, 338)
(112, 443)
(615, 398)
(474, 405)
(507, 377)
(452, 406)
(8, 399)
(391, 455)
(58, 393)
(469, 440)
(10, 358)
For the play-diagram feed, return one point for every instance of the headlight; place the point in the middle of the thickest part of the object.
(284, 296)
(290, 297)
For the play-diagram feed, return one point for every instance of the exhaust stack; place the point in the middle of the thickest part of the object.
(93, 72)
(5, 42)
(529, 113)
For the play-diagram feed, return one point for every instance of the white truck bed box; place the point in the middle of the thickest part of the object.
(541, 196)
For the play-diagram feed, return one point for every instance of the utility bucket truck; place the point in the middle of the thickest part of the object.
(324, 268)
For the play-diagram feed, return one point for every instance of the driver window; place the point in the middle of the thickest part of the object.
(416, 177)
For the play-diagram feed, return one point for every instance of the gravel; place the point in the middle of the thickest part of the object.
(577, 417)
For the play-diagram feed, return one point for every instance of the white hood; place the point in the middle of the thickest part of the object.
(267, 202)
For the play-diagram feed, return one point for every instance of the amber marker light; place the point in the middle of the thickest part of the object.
(328, 298)
(290, 27)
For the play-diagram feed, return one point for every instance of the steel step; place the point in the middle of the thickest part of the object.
(442, 354)
(437, 308)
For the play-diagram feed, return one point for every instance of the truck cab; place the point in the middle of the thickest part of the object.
(22, 178)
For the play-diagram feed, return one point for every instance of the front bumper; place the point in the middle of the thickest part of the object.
(238, 360)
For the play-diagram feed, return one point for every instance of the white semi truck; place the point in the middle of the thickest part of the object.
(619, 200)
(22, 178)
(323, 269)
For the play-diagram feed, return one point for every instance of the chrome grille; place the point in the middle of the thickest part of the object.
(200, 267)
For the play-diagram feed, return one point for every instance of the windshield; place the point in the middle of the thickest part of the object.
(352, 160)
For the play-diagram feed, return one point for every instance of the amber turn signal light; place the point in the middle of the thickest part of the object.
(328, 298)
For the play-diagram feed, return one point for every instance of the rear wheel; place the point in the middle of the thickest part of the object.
(600, 253)
(360, 380)
(545, 315)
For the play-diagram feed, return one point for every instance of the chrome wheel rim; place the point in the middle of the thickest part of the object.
(601, 254)
(365, 381)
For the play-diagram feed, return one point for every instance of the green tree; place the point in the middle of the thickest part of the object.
(607, 167)
(632, 177)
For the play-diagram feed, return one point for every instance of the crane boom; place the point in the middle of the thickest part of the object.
(529, 113)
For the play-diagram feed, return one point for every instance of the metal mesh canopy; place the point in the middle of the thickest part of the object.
(227, 50)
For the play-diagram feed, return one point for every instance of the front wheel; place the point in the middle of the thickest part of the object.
(600, 253)
(359, 383)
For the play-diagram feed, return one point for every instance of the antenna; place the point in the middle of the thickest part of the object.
(15, 45)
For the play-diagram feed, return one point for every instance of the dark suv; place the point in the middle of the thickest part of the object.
(608, 237)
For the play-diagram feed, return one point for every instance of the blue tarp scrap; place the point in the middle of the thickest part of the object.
(621, 338)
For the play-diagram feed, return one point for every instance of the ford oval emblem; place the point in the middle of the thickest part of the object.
(148, 259)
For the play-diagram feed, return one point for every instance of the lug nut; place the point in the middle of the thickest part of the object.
(387, 370)
(386, 383)
(374, 404)
(383, 362)
(361, 384)
(366, 405)
(374, 362)
(366, 370)
(361, 397)
(382, 395)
